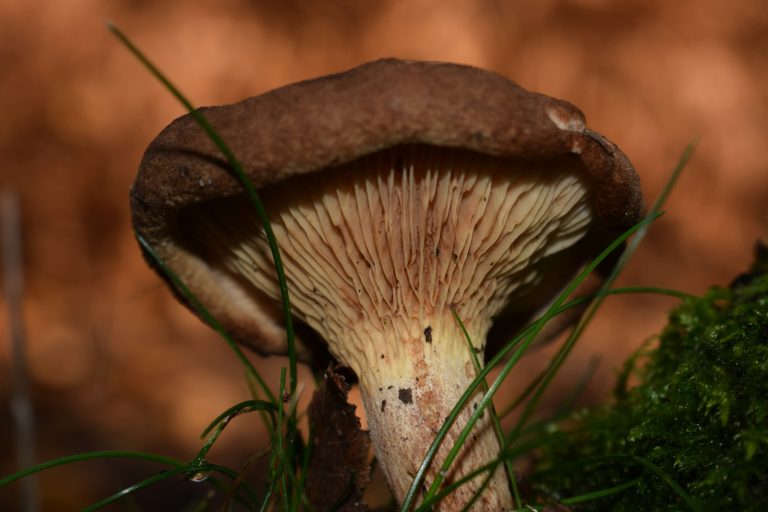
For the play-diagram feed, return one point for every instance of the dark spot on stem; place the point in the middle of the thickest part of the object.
(428, 334)
(405, 396)
(383, 405)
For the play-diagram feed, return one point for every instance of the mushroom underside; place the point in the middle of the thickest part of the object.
(380, 251)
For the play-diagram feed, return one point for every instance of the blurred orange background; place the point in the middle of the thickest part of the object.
(116, 363)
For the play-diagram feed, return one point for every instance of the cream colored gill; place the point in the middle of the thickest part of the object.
(377, 248)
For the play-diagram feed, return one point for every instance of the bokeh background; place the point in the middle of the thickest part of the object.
(116, 363)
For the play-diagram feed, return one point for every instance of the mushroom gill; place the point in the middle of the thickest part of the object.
(380, 250)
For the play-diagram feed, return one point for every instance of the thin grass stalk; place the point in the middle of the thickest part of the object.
(237, 409)
(206, 316)
(689, 500)
(280, 449)
(164, 475)
(584, 321)
(106, 454)
(247, 184)
(238, 171)
(627, 290)
(601, 493)
(116, 454)
(565, 408)
(494, 420)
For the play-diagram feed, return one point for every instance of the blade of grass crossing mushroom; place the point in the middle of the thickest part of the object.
(616, 291)
(488, 468)
(189, 296)
(494, 417)
(429, 500)
(510, 453)
(246, 183)
(546, 377)
(251, 373)
(584, 321)
(529, 335)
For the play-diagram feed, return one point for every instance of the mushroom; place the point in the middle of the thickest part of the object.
(399, 192)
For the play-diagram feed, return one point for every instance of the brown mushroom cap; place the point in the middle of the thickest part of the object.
(313, 125)
(399, 192)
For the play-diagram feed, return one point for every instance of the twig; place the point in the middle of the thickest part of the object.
(21, 405)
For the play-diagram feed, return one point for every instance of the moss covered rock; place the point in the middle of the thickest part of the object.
(693, 434)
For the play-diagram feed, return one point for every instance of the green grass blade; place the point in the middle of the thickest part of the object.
(237, 168)
(689, 500)
(175, 464)
(446, 490)
(106, 454)
(602, 493)
(241, 408)
(206, 316)
(159, 477)
(565, 408)
(576, 302)
(661, 200)
(494, 419)
(280, 449)
(221, 422)
(621, 458)
(584, 321)
(271, 487)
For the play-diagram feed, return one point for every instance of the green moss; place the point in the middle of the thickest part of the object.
(700, 414)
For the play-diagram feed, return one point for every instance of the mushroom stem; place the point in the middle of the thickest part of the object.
(408, 399)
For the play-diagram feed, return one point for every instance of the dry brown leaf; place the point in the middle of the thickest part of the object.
(339, 470)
